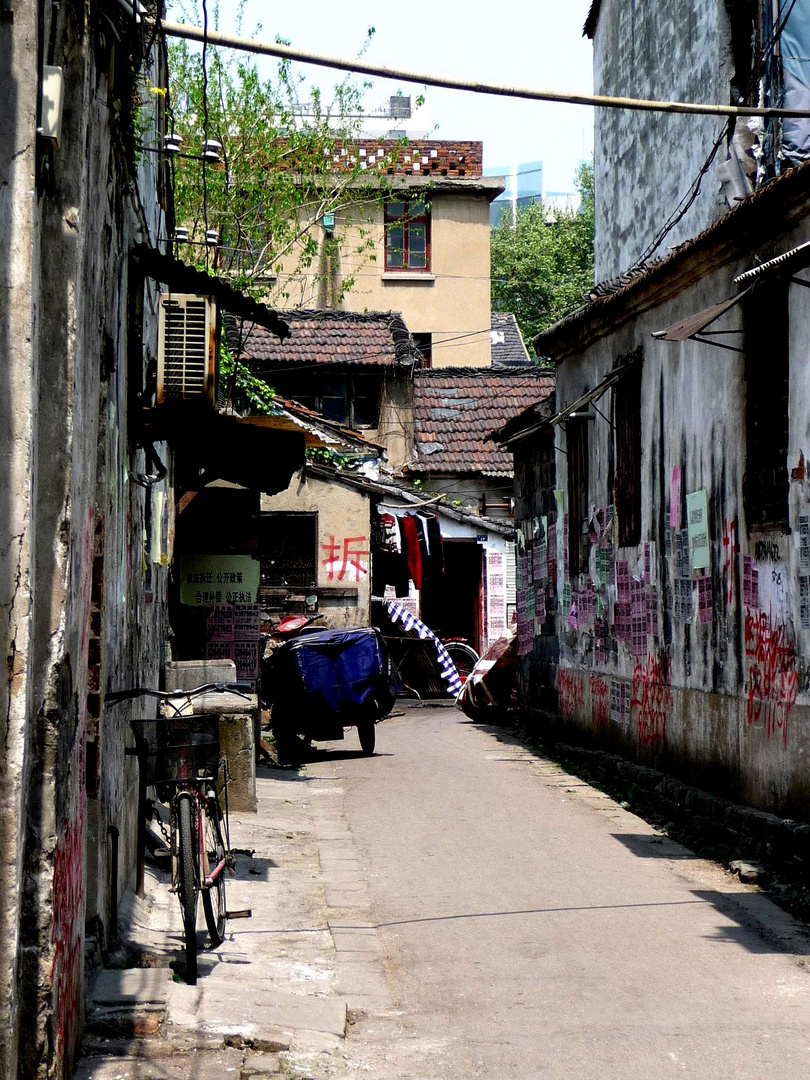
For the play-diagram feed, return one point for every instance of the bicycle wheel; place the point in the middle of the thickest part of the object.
(213, 898)
(188, 885)
(463, 656)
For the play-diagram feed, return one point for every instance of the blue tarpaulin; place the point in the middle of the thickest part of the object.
(795, 48)
(337, 674)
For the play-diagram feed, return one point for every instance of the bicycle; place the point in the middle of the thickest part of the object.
(462, 654)
(179, 755)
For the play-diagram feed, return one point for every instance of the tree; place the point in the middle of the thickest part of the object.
(542, 265)
(287, 160)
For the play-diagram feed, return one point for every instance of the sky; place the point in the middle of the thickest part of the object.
(515, 42)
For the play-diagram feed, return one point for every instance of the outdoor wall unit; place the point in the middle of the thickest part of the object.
(187, 348)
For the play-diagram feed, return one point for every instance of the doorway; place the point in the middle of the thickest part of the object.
(451, 603)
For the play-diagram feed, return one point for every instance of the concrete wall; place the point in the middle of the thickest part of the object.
(79, 611)
(452, 300)
(645, 162)
(722, 700)
(343, 537)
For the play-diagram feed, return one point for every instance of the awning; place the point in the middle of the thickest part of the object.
(317, 432)
(593, 395)
(789, 261)
(187, 279)
(695, 324)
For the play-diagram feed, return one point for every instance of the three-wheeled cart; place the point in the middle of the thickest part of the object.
(325, 681)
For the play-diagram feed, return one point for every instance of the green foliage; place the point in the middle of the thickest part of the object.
(277, 177)
(541, 271)
(323, 455)
(244, 389)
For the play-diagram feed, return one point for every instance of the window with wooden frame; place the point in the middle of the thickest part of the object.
(407, 236)
(576, 430)
(767, 377)
(627, 487)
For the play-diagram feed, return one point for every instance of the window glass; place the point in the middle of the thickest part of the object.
(394, 209)
(395, 246)
(417, 244)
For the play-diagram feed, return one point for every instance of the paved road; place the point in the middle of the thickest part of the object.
(531, 928)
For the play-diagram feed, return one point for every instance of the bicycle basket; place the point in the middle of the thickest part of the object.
(177, 748)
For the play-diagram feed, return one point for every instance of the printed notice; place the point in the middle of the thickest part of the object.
(697, 514)
(750, 583)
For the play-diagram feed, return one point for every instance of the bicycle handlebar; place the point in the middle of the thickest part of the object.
(114, 696)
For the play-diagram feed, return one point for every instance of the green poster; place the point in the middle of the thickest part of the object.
(697, 520)
(218, 579)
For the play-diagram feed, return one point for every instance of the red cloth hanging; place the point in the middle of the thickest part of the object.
(413, 555)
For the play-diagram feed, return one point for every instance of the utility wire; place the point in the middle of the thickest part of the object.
(266, 48)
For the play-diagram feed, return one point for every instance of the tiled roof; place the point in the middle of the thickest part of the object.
(454, 409)
(325, 337)
(751, 224)
(589, 29)
(508, 348)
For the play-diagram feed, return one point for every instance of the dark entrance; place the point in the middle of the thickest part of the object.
(451, 604)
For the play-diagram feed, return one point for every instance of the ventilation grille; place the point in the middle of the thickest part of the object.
(186, 348)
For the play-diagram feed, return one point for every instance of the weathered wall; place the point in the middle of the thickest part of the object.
(646, 162)
(84, 611)
(343, 537)
(718, 694)
(452, 300)
(18, 90)
(395, 426)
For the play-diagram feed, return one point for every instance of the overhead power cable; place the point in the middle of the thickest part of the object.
(284, 52)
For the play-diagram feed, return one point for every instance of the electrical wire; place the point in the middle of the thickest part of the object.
(284, 52)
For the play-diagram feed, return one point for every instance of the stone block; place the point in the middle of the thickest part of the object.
(236, 740)
(186, 674)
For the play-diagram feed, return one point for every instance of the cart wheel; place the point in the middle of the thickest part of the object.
(367, 733)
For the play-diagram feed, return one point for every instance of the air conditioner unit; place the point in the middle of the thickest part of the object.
(187, 348)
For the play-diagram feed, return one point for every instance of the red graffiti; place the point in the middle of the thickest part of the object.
(570, 693)
(351, 558)
(67, 934)
(651, 696)
(731, 551)
(772, 681)
(600, 702)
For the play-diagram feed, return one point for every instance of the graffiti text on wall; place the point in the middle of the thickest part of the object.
(346, 557)
(772, 682)
(651, 697)
(600, 702)
(570, 692)
(68, 923)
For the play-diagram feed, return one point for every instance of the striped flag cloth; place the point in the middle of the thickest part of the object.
(397, 613)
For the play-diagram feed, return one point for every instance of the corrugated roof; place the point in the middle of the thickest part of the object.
(508, 348)
(454, 409)
(325, 337)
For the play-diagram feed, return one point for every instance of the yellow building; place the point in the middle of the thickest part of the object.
(423, 250)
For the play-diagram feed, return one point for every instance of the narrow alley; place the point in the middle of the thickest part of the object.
(468, 909)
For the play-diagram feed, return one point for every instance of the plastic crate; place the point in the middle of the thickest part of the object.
(177, 748)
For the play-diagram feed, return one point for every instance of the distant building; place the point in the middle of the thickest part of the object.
(524, 186)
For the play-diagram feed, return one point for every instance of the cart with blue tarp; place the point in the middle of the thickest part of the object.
(325, 681)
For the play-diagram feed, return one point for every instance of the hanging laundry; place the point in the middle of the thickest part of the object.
(412, 547)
